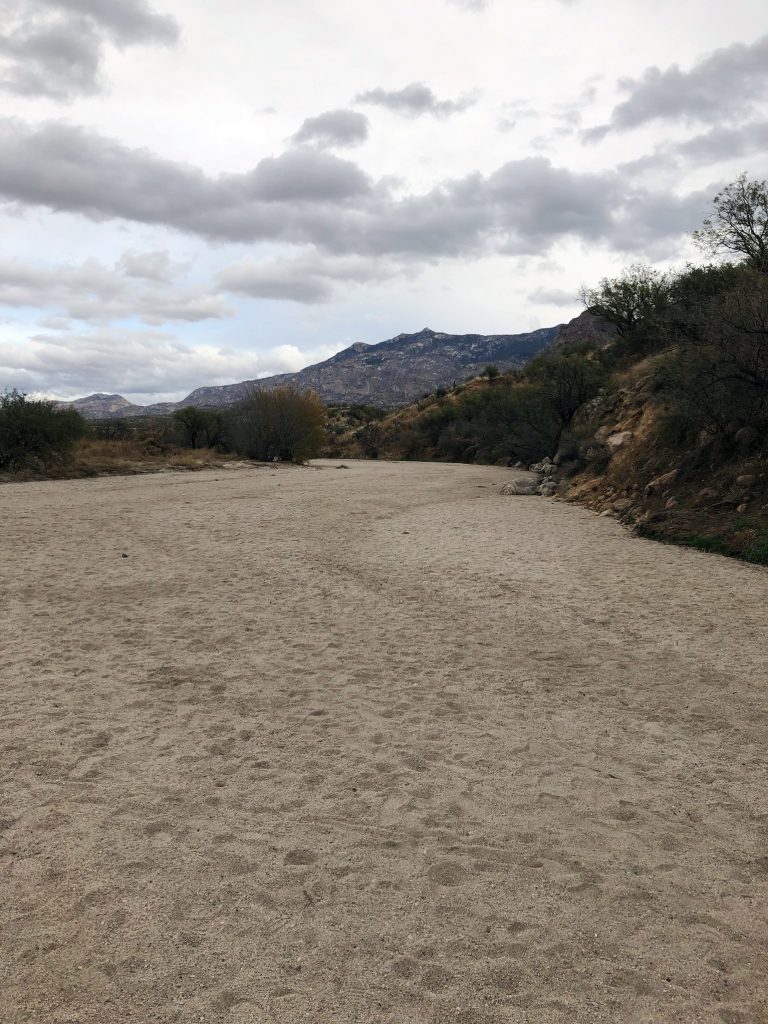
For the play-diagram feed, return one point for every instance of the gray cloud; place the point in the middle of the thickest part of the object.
(93, 292)
(151, 266)
(125, 21)
(718, 144)
(414, 100)
(72, 169)
(303, 174)
(540, 202)
(309, 278)
(334, 128)
(54, 48)
(309, 197)
(725, 83)
(553, 297)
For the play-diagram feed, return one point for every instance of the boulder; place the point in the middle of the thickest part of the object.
(521, 485)
(706, 494)
(622, 504)
(615, 441)
(745, 480)
(547, 488)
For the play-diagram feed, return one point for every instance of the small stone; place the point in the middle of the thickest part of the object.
(742, 507)
(622, 504)
(123, 555)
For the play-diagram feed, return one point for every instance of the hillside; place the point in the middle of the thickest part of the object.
(391, 373)
(661, 425)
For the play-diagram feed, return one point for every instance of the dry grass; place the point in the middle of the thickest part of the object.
(95, 457)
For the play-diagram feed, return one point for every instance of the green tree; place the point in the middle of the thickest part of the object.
(639, 297)
(565, 383)
(36, 433)
(198, 428)
(280, 424)
(739, 224)
(491, 372)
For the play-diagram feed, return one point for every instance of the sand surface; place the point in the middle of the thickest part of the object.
(374, 744)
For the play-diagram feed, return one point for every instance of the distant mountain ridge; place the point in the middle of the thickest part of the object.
(390, 373)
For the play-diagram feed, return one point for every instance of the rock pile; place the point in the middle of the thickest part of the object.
(540, 479)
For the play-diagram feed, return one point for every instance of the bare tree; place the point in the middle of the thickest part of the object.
(739, 224)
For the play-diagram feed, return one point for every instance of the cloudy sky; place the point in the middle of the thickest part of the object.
(196, 193)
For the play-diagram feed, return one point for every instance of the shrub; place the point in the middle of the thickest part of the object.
(198, 428)
(110, 430)
(280, 424)
(36, 433)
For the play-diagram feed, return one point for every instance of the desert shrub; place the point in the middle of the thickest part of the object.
(278, 424)
(757, 550)
(36, 433)
(716, 379)
(110, 430)
(522, 416)
(157, 437)
(597, 457)
(675, 430)
(198, 428)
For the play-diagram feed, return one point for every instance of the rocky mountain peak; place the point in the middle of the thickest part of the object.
(390, 373)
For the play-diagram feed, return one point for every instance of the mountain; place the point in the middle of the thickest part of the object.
(388, 374)
(101, 406)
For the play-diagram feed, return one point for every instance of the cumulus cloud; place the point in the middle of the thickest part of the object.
(126, 22)
(93, 292)
(720, 143)
(137, 363)
(553, 297)
(55, 48)
(334, 128)
(415, 100)
(725, 83)
(309, 197)
(309, 278)
(73, 169)
(150, 266)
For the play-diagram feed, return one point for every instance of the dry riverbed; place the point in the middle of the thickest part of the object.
(374, 744)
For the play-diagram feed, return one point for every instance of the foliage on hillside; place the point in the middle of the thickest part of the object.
(35, 435)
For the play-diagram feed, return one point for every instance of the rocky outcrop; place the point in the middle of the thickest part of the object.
(586, 329)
